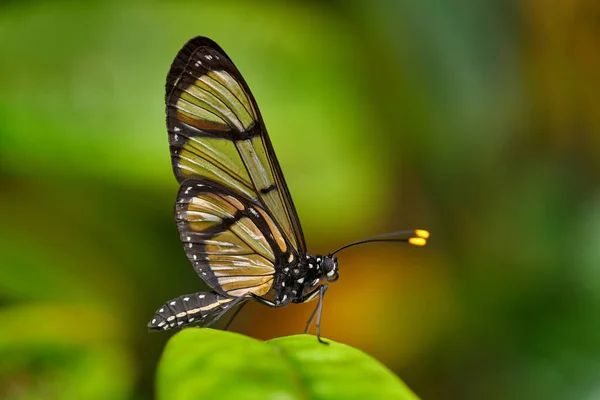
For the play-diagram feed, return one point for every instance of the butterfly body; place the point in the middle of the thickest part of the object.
(300, 282)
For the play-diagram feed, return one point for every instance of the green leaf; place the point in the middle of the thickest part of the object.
(211, 364)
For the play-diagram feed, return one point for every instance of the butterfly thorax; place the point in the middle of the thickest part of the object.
(300, 282)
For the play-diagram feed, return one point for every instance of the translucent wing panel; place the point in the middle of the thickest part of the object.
(232, 243)
(213, 100)
(215, 159)
(216, 133)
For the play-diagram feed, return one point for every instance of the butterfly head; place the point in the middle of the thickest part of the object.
(329, 266)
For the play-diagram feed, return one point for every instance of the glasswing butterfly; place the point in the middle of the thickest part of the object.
(234, 212)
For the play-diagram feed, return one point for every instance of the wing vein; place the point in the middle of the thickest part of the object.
(216, 163)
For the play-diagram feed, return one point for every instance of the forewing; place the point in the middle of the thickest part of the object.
(233, 244)
(216, 132)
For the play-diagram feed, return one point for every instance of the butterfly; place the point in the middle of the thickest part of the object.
(234, 213)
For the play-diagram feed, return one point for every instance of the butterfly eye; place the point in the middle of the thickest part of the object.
(329, 266)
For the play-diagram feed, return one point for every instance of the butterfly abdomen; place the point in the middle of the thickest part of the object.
(189, 309)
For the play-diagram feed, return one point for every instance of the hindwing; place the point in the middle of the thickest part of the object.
(231, 241)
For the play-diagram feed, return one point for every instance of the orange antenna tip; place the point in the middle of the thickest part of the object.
(417, 241)
(422, 233)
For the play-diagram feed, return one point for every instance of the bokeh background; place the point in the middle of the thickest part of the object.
(479, 121)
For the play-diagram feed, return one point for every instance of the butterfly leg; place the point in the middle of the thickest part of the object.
(318, 311)
(310, 320)
(309, 297)
(228, 307)
(320, 308)
(234, 315)
(264, 301)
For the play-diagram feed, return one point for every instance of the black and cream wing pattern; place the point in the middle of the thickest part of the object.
(234, 213)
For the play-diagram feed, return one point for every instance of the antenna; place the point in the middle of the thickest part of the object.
(417, 237)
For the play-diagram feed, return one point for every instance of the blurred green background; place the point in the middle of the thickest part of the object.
(479, 121)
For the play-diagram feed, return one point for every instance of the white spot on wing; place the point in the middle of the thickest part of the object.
(301, 280)
(172, 303)
(186, 298)
(153, 321)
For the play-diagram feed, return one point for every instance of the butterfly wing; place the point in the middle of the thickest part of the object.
(216, 134)
(232, 242)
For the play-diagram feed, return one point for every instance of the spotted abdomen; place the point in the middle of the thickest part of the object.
(197, 308)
